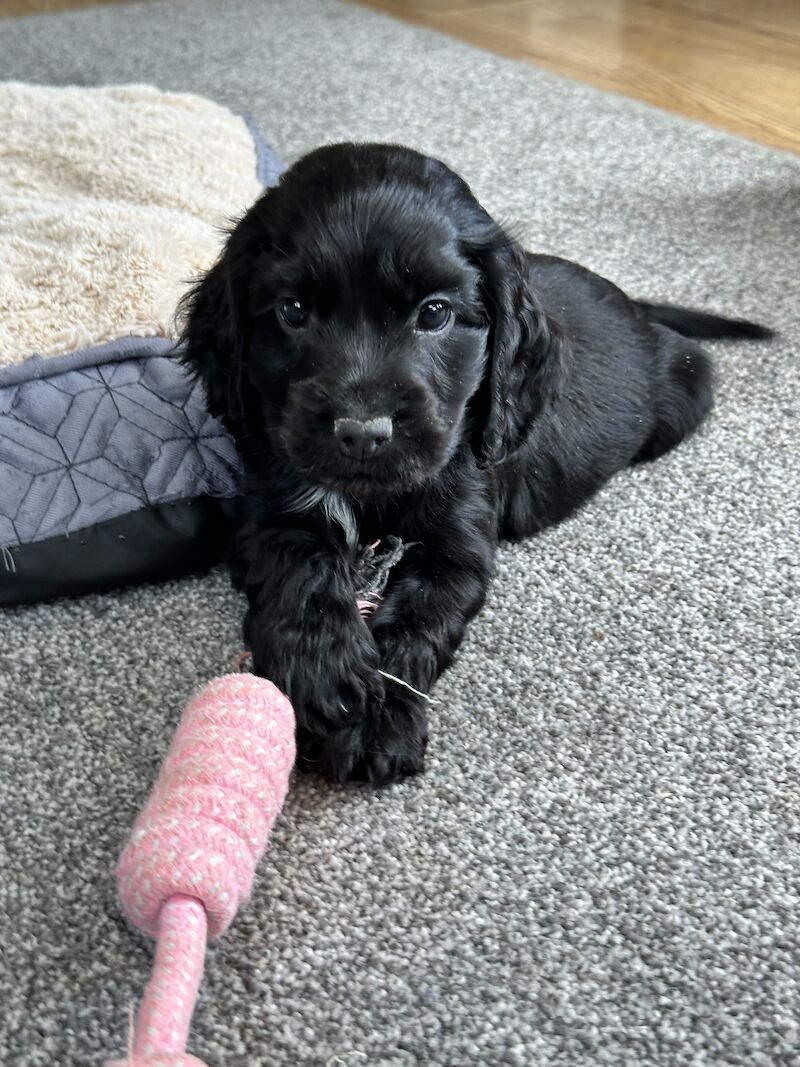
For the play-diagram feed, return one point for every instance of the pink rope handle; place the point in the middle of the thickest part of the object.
(162, 1023)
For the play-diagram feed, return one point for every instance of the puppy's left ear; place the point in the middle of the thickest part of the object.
(215, 330)
(524, 363)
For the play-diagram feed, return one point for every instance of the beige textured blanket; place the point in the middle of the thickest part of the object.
(111, 199)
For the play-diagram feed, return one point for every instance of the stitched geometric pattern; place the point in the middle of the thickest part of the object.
(88, 445)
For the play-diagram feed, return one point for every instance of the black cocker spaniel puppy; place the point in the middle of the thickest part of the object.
(389, 361)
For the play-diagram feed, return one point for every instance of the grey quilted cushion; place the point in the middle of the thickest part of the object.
(122, 429)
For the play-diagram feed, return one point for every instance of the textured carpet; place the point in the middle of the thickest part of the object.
(601, 865)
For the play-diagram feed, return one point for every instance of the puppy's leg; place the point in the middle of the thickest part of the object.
(306, 635)
(434, 591)
(682, 393)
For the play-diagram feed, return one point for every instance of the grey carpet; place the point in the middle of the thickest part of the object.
(601, 865)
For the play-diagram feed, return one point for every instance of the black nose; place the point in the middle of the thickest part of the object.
(360, 438)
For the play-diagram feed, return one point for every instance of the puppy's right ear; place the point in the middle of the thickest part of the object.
(524, 364)
(215, 331)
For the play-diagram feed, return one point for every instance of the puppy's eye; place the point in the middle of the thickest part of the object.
(294, 313)
(434, 315)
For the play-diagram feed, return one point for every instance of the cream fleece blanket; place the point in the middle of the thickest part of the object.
(111, 199)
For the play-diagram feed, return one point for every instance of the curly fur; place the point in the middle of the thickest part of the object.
(546, 380)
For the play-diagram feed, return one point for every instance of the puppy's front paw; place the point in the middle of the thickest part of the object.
(327, 668)
(397, 748)
(386, 746)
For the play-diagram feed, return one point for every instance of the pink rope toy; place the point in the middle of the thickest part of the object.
(192, 855)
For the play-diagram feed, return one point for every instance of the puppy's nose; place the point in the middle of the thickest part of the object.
(359, 438)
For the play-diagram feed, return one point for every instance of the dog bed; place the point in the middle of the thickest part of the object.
(111, 200)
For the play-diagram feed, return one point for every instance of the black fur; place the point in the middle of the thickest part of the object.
(546, 380)
(698, 324)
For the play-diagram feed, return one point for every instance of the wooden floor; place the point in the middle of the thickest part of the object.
(731, 63)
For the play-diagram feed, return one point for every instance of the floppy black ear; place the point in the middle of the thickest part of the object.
(215, 332)
(523, 366)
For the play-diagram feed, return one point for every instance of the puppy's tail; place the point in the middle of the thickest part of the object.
(700, 324)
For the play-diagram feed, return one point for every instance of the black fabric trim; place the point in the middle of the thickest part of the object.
(149, 545)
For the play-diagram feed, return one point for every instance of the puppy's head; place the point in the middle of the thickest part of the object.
(369, 317)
